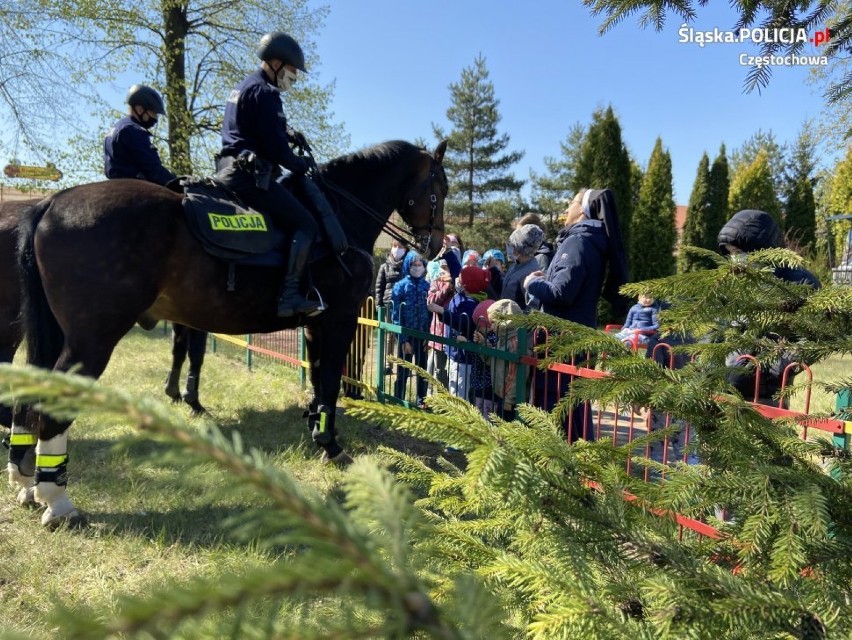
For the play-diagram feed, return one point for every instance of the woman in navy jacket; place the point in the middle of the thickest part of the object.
(589, 260)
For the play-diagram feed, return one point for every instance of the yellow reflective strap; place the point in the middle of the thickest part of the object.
(323, 418)
(23, 439)
(50, 461)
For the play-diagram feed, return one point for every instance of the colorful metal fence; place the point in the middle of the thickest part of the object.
(367, 368)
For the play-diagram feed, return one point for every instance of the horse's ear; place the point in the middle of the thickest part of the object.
(439, 151)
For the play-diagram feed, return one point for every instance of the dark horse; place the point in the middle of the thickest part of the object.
(98, 257)
(186, 341)
(11, 330)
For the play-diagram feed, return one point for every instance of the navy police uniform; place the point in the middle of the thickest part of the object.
(254, 143)
(130, 153)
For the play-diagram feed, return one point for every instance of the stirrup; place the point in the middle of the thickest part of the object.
(320, 301)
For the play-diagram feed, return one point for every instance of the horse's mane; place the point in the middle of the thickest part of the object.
(393, 152)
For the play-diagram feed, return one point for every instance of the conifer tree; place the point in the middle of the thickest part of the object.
(753, 187)
(605, 163)
(695, 227)
(720, 184)
(799, 202)
(551, 190)
(653, 233)
(477, 162)
(840, 202)
(637, 176)
(767, 142)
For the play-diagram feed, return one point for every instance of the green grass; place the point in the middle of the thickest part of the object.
(154, 519)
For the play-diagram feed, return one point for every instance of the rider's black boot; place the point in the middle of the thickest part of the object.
(290, 299)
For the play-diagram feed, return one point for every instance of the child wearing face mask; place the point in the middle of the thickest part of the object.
(389, 274)
(409, 312)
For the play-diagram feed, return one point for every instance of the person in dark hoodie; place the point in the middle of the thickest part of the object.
(752, 230)
(589, 248)
(410, 312)
(389, 274)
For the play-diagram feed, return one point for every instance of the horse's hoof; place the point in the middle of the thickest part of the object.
(71, 520)
(342, 459)
(26, 498)
(197, 408)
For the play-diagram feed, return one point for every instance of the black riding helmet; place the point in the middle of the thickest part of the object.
(145, 97)
(280, 46)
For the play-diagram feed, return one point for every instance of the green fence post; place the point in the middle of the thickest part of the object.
(380, 354)
(521, 377)
(842, 401)
(248, 351)
(303, 355)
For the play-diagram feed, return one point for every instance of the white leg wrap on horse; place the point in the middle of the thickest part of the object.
(21, 465)
(51, 478)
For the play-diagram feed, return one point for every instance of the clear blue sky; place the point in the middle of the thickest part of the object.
(393, 61)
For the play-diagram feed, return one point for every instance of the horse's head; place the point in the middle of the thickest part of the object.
(423, 205)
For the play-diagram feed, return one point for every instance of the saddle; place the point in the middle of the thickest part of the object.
(225, 226)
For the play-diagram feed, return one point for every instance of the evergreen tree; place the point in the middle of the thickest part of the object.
(695, 228)
(840, 202)
(477, 164)
(753, 187)
(800, 204)
(653, 234)
(775, 154)
(637, 176)
(605, 163)
(719, 187)
(551, 190)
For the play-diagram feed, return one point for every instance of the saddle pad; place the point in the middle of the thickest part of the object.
(225, 227)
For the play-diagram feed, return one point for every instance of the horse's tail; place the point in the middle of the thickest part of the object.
(44, 335)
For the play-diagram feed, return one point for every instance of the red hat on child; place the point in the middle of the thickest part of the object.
(480, 315)
(475, 279)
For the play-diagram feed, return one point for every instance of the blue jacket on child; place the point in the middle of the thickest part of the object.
(642, 317)
(409, 298)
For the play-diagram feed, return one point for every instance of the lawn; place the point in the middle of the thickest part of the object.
(154, 519)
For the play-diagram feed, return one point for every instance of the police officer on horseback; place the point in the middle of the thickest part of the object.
(128, 149)
(255, 142)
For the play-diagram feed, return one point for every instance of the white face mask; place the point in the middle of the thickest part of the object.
(397, 253)
(417, 272)
(285, 80)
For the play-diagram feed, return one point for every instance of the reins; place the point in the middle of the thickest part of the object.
(404, 236)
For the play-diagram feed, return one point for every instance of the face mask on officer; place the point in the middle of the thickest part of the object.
(144, 118)
(284, 78)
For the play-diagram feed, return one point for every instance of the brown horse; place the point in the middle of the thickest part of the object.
(11, 329)
(98, 257)
(186, 341)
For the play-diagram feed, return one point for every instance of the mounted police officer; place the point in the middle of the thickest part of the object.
(129, 153)
(255, 141)
(128, 149)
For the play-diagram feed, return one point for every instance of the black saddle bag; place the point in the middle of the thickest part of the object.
(225, 226)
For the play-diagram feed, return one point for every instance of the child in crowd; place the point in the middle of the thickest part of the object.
(480, 374)
(458, 315)
(643, 322)
(470, 258)
(441, 291)
(504, 374)
(409, 310)
(495, 262)
(390, 272)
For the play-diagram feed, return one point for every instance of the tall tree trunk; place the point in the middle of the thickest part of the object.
(177, 110)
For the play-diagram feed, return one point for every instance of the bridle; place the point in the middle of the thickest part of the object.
(418, 236)
(420, 240)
